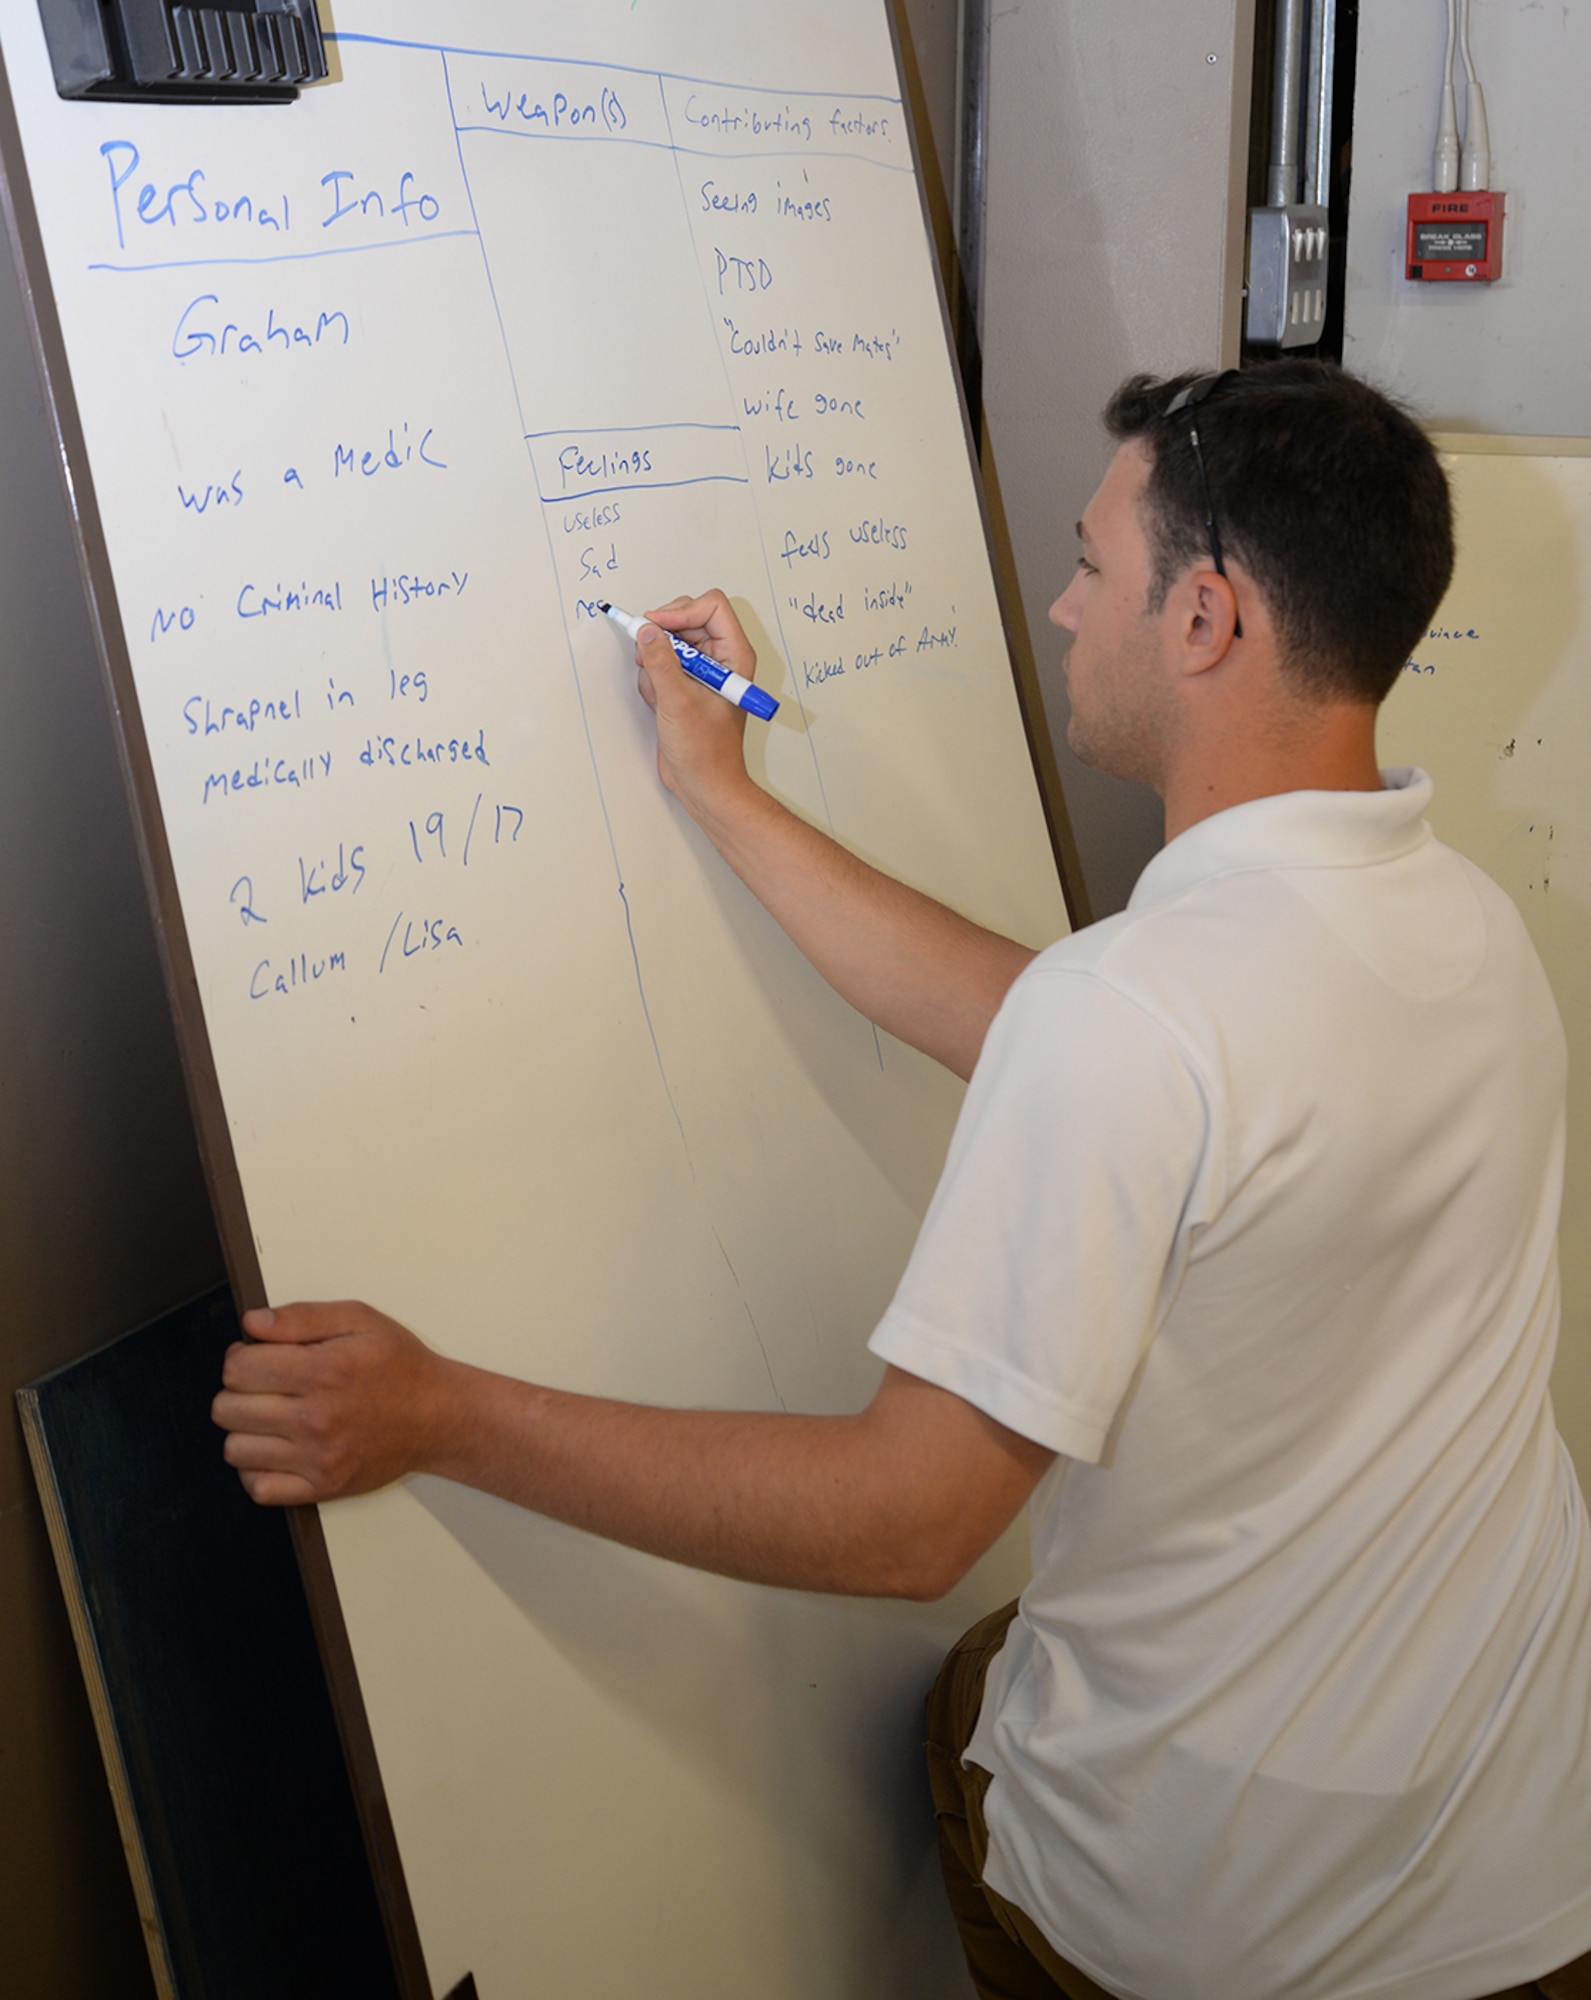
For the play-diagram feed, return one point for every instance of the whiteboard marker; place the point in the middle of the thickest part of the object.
(732, 686)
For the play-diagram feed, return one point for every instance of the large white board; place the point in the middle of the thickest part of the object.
(381, 392)
(1496, 705)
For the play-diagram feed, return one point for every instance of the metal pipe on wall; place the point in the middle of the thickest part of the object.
(1286, 102)
(1317, 117)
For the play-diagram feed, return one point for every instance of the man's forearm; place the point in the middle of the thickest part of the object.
(744, 1494)
(919, 970)
(865, 1504)
(334, 1398)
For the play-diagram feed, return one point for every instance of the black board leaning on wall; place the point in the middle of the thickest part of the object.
(208, 1691)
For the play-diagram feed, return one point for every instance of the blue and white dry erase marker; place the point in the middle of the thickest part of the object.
(732, 686)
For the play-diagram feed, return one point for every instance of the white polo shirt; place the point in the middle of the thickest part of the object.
(1251, 1215)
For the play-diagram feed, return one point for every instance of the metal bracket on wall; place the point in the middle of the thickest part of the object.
(1289, 239)
(1287, 274)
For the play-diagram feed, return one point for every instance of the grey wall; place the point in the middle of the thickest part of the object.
(928, 32)
(1510, 356)
(103, 1217)
(1117, 158)
(1117, 155)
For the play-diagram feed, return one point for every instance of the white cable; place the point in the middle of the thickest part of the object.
(1444, 162)
(1463, 42)
(1475, 168)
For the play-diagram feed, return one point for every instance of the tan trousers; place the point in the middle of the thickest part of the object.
(1007, 1954)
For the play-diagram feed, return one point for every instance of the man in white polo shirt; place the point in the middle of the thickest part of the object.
(1241, 1274)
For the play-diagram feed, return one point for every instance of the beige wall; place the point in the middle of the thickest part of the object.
(1507, 358)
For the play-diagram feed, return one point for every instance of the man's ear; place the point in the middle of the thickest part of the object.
(1206, 619)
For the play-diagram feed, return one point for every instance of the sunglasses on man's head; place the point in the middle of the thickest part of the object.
(1186, 403)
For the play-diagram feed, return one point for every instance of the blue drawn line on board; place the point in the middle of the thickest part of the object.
(646, 486)
(692, 152)
(398, 919)
(751, 1318)
(470, 835)
(762, 539)
(628, 430)
(585, 723)
(446, 49)
(287, 256)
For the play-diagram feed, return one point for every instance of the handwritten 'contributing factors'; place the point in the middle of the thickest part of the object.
(732, 686)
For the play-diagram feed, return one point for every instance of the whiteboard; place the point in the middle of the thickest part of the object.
(381, 392)
(1496, 705)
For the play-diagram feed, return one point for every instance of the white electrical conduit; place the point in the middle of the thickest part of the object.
(1444, 162)
(1475, 169)
(1470, 168)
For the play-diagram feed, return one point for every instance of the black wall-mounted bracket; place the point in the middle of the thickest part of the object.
(167, 52)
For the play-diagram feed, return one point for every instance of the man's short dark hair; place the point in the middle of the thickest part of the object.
(1328, 494)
